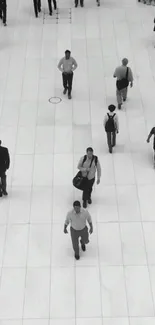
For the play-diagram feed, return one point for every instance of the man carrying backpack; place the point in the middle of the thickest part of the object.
(88, 165)
(111, 126)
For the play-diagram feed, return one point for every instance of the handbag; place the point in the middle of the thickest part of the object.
(123, 83)
(79, 180)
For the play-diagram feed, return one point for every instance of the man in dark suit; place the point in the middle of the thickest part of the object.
(3, 11)
(4, 165)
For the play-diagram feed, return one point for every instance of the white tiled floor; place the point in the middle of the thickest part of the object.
(114, 281)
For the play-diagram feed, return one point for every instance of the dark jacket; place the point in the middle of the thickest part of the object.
(4, 159)
(2, 4)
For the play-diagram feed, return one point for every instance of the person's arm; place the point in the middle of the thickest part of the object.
(80, 166)
(89, 220)
(60, 65)
(150, 135)
(130, 77)
(116, 123)
(98, 167)
(7, 159)
(105, 120)
(67, 221)
(74, 65)
(115, 73)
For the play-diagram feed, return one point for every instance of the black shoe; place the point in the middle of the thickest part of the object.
(50, 13)
(55, 7)
(69, 96)
(84, 204)
(77, 257)
(81, 4)
(5, 24)
(4, 193)
(39, 9)
(119, 106)
(1, 194)
(90, 201)
(76, 5)
(110, 150)
(124, 99)
(37, 16)
(83, 246)
(65, 91)
(98, 3)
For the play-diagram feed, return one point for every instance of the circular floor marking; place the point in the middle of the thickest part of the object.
(55, 100)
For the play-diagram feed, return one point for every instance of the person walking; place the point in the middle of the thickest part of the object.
(78, 219)
(67, 65)
(4, 165)
(124, 77)
(152, 132)
(3, 11)
(88, 165)
(111, 126)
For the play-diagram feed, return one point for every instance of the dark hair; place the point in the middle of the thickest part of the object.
(111, 108)
(89, 149)
(76, 204)
(68, 51)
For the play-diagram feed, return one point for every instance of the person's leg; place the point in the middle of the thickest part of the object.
(98, 2)
(35, 7)
(39, 5)
(4, 14)
(64, 80)
(85, 194)
(124, 94)
(50, 6)
(90, 188)
(3, 182)
(55, 4)
(119, 98)
(109, 141)
(76, 3)
(70, 81)
(81, 3)
(84, 238)
(1, 15)
(113, 139)
(75, 240)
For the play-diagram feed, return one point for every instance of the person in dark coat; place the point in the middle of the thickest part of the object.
(3, 11)
(4, 165)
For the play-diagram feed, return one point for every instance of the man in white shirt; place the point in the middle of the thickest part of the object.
(67, 65)
(78, 219)
(121, 73)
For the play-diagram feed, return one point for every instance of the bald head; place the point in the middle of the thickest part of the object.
(125, 61)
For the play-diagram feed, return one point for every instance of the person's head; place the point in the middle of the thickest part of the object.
(111, 108)
(125, 62)
(0, 142)
(67, 54)
(77, 206)
(89, 152)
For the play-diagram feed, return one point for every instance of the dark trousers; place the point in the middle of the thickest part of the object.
(77, 2)
(88, 187)
(55, 4)
(67, 79)
(2, 181)
(50, 6)
(75, 234)
(37, 6)
(3, 12)
(111, 140)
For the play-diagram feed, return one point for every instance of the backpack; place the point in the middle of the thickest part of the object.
(110, 124)
(94, 157)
